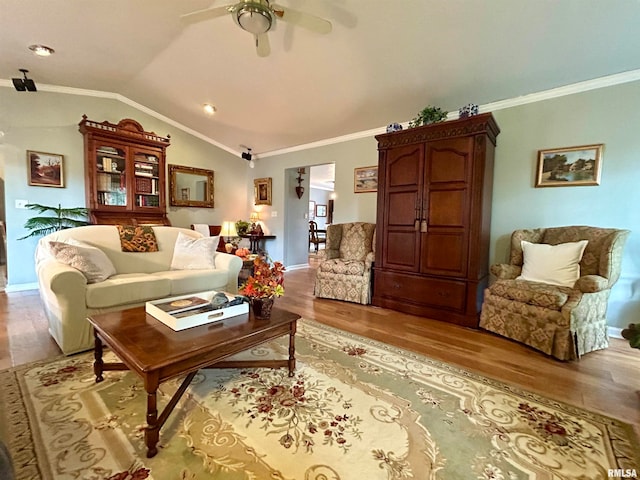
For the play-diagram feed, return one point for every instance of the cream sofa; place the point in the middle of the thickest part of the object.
(68, 298)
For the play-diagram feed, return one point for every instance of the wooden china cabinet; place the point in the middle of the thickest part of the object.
(124, 173)
(433, 218)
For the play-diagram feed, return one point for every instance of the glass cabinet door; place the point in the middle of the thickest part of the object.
(111, 175)
(146, 171)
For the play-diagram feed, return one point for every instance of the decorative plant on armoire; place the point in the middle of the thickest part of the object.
(62, 218)
(427, 116)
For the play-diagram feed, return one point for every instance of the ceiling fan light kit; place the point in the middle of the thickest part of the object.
(254, 17)
(259, 17)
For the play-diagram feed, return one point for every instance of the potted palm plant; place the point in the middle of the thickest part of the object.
(61, 219)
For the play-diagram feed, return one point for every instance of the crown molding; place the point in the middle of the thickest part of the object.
(602, 82)
(127, 101)
(580, 87)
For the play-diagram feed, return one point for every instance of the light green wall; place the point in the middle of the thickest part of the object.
(48, 122)
(349, 207)
(608, 115)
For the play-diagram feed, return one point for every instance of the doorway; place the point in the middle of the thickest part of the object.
(321, 202)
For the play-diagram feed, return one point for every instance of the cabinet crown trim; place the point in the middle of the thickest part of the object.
(126, 127)
(484, 123)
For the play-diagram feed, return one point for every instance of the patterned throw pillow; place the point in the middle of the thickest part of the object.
(194, 253)
(137, 238)
(91, 261)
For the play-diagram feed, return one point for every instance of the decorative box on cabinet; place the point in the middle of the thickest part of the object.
(433, 218)
(124, 173)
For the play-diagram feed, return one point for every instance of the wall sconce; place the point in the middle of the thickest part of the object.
(300, 188)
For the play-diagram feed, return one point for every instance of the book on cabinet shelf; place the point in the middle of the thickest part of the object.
(146, 158)
(147, 200)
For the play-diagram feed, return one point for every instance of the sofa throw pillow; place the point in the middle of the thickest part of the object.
(137, 238)
(552, 264)
(194, 253)
(91, 261)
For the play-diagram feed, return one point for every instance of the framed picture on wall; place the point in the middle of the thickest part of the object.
(570, 166)
(45, 169)
(262, 191)
(321, 210)
(365, 179)
(312, 209)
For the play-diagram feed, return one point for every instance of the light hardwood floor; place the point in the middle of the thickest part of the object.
(607, 381)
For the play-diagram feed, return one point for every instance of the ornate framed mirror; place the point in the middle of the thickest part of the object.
(190, 187)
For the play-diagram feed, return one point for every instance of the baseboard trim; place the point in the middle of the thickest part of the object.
(297, 267)
(21, 287)
(614, 332)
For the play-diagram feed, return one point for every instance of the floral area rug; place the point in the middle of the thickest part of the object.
(355, 409)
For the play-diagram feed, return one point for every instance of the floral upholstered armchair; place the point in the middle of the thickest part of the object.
(562, 321)
(345, 273)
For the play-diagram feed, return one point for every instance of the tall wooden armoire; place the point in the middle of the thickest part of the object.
(433, 219)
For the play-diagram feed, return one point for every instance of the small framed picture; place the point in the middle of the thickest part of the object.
(321, 210)
(262, 191)
(570, 166)
(45, 169)
(365, 179)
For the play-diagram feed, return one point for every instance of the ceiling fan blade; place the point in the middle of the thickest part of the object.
(305, 20)
(262, 45)
(206, 14)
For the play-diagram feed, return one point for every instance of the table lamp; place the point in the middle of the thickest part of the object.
(228, 230)
(254, 218)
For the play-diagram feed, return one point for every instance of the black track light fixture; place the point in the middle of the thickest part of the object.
(24, 84)
(247, 156)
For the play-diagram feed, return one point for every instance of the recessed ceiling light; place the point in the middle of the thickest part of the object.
(210, 109)
(41, 50)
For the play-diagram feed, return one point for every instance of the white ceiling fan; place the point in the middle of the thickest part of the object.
(259, 17)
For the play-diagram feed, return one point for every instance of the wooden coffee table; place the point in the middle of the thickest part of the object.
(157, 353)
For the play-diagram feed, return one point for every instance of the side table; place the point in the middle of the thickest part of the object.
(256, 242)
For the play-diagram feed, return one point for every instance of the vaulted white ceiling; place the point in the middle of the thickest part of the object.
(383, 62)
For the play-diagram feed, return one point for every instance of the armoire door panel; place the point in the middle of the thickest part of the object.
(402, 208)
(444, 254)
(401, 250)
(449, 160)
(447, 208)
(404, 166)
